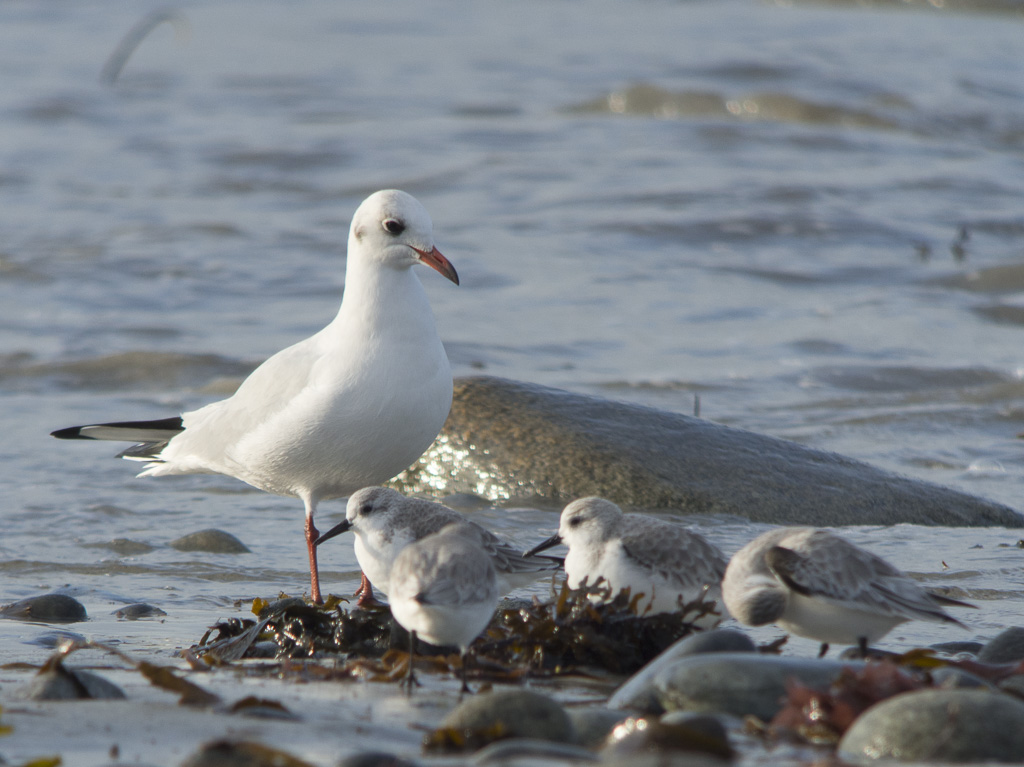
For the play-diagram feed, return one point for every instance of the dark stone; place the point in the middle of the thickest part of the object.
(53, 639)
(638, 693)
(964, 646)
(509, 714)
(530, 440)
(231, 753)
(47, 608)
(672, 733)
(123, 547)
(375, 759)
(210, 541)
(1005, 647)
(938, 726)
(63, 683)
(740, 684)
(530, 750)
(592, 725)
(138, 611)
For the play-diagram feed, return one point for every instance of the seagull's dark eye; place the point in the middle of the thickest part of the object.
(393, 226)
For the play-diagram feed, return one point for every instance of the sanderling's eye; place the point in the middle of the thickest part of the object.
(393, 226)
(365, 509)
(575, 522)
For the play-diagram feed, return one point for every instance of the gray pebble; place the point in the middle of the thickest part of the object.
(740, 684)
(125, 547)
(375, 759)
(54, 639)
(516, 713)
(545, 751)
(47, 608)
(938, 726)
(1005, 647)
(965, 647)
(697, 733)
(138, 611)
(210, 541)
(63, 683)
(232, 753)
(638, 694)
(592, 725)
(950, 677)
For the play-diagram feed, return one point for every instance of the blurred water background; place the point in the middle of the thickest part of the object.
(809, 215)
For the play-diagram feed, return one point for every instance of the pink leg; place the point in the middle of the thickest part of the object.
(364, 592)
(314, 573)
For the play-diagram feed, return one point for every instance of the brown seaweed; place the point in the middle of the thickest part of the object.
(575, 630)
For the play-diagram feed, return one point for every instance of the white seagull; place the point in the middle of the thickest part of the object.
(385, 522)
(815, 584)
(667, 563)
(352, 405)
(444, 590)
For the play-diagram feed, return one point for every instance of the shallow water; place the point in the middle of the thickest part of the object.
(807, 215)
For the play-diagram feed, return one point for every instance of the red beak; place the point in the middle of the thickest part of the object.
(439, 263)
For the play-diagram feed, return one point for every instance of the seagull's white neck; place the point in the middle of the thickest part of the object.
(379, 299)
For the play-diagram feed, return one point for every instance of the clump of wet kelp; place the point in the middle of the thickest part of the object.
(570, 632)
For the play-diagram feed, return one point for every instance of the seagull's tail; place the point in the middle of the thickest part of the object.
(151, 436)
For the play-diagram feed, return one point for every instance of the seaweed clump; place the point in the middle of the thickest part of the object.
(576, 630)
(573, 631)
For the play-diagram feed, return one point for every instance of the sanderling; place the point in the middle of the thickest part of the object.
(444, 590)
(815, 584)
(385, 521)
(667, 563)
(350, 406)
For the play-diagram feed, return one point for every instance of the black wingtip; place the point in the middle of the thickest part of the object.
(72, 432)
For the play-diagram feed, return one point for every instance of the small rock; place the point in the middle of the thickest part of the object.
(951, 677)
(63, 683)
(229, 753)
(740, 684)
(1005, 647)
(592, 725)
(499, 715)
(47, 608)
(375, 759)
(965, 647)
(672, 733)
(125, 547)
(138, 611)
(53, 639)
(1014, 685)
(505, 752)
(938, 726)
(210, 541)
(637, 693)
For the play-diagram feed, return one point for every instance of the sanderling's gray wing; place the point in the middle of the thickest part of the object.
(829, 567)
(447, 570)
(684, 558)
(510, 560)
(423, 517)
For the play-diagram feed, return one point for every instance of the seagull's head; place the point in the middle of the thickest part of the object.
(393, 229)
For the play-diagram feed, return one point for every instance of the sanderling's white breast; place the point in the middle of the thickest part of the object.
(444, 589)
(384, 522)
(666, 562)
